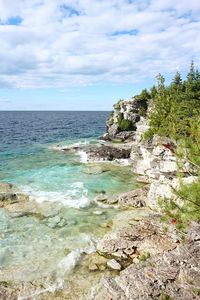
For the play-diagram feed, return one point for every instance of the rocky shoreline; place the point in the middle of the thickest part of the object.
(147, 258)
(163, 263)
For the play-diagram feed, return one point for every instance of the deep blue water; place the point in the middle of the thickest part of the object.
(20, 129)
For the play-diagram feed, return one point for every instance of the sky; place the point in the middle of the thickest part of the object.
(87, 54)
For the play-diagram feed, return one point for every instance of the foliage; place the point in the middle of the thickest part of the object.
(166, 297)
(124, 124)
(175, 113)
(174, 107)
(144, 256)
(143, 99)
(118, 104)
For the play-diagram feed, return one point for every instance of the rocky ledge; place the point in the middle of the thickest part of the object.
(170, 270)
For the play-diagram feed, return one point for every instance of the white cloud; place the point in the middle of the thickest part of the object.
(78, 42)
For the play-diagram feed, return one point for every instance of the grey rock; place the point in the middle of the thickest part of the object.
(113, 264)
(135, 198)
(128, 241)
(171, 274)
(108, 152)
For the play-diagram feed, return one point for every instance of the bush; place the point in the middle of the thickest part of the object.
(124, 124)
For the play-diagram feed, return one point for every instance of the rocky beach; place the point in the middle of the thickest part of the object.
(133, 253)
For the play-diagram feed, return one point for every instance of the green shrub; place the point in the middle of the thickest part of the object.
(124, 124)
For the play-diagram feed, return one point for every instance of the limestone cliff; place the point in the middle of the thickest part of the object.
(152, 260)
(154, 159)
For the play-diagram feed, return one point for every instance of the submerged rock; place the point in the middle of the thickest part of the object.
(56, 221)
(9, 194)
(95, 262)
(106, 199)
(94, 170)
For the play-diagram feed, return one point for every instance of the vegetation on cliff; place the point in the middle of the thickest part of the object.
(175, 113)
(174, 108)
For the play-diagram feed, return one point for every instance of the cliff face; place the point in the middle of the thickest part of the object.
(154, 159)
(122, 122)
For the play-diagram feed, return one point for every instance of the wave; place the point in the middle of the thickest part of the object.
(75, 197)
(69, 146)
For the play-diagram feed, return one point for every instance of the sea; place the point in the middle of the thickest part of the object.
(65, 223)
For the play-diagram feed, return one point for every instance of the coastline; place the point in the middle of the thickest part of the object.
(136, 238)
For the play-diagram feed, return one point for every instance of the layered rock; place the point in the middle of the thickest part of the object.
(133, 199)
(156, 263)
(171, 274)
(122, 122)
(130, 241)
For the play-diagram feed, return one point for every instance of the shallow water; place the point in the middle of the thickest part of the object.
(45, 246)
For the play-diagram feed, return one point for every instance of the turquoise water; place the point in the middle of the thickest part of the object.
(62, 221)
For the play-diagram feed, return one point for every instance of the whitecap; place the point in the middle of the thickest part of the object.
(75, 197)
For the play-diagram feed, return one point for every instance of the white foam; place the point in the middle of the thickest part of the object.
(83, 156)
(62, 147)
(75, 197)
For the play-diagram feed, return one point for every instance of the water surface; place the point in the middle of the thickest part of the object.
(47, 245)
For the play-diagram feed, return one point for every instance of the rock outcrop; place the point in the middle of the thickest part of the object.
(121, 125)
(172, 273)
(108, 152)
(157, 262)
(136, 198)
(131, 241)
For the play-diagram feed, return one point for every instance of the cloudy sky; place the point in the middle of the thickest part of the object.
(86, 54)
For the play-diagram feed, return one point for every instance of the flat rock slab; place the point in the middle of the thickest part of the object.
(173, 274)
(129, 241)
(113, 264)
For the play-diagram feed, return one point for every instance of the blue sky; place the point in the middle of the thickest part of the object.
(87, 54)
